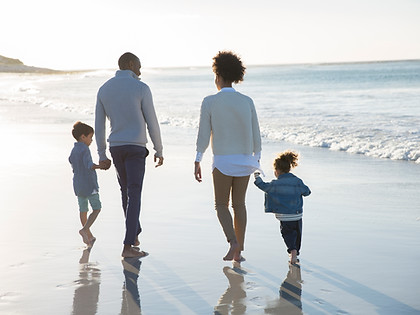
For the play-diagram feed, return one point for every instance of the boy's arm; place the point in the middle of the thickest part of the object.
(87, 160)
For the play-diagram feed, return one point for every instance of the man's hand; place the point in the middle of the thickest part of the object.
(105, 164)
(257, 174)
(159, 160)
(197, 171)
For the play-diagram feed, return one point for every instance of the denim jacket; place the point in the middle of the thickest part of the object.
(284, 194)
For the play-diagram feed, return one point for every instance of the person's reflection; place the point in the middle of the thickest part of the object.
(130, 294)
(86, 295)
(232, 300)
(290, 294)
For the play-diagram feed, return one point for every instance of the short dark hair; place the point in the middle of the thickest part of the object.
(229, 66)
(124, 61)
(81, 129)
(286, 161)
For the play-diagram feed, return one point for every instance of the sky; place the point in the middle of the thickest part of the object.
(92, 34)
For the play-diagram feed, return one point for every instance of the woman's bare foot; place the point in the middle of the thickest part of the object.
(238, 257)
(233, 248)
(85, 236)
(293, 256)
(129, 252)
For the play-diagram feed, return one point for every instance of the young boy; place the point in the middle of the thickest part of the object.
(85, 181)
(283, 196)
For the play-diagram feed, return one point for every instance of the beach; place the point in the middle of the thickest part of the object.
(360, 250)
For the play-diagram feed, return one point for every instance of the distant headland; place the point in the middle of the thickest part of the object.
(17, 66)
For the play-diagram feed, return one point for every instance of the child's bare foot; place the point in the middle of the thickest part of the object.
(233, 248)
(85, 236)
(129, 252)
(92, 241)
(293, 256)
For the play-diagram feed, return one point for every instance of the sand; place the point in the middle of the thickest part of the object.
(361, 239)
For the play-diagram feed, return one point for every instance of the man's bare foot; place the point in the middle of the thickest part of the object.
(131, 253)
(233, 248)
(85, 236)
(293, 256)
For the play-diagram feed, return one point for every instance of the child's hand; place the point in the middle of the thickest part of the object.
(257, 174)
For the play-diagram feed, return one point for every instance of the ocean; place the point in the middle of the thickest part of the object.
(361, 221)
(360, 108)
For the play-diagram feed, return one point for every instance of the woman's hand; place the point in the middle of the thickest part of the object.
(197, 171)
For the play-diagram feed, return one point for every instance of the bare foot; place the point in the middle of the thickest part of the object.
(293, 256)
(131, 253)
(92, 241)
(85, 236)
(239, 258)
(137, 242)
(233, 248)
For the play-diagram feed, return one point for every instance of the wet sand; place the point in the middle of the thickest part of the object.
(360, 252)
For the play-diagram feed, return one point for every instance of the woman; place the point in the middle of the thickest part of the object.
(230, 120)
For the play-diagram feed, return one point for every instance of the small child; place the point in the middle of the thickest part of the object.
(283, 196)
(85, 181)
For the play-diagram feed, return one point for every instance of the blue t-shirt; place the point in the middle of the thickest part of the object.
(85, 180)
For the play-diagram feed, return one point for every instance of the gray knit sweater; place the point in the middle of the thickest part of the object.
(128, 104)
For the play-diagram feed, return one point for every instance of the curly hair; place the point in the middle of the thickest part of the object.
(286, 161)
(80, 129)
(229, 66)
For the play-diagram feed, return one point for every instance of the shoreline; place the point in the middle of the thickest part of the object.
(21, 68)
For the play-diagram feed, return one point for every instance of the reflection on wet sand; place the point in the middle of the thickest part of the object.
(86, 295)
(290, 294)
(232, 300)
(130, 293)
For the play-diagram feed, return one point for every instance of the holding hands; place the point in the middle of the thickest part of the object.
(105, 164)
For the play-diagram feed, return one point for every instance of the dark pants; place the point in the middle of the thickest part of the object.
(129, 161)
(292, 234)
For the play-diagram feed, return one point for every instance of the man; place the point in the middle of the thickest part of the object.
(128, 104)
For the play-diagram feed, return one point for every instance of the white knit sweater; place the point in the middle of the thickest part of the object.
(229, 119)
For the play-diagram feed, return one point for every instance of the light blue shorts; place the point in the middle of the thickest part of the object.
(94, 201)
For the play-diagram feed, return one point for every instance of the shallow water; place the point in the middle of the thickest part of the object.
(366, 108)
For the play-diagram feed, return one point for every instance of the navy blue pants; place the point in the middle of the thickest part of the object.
(292, 234)
(130, 161)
